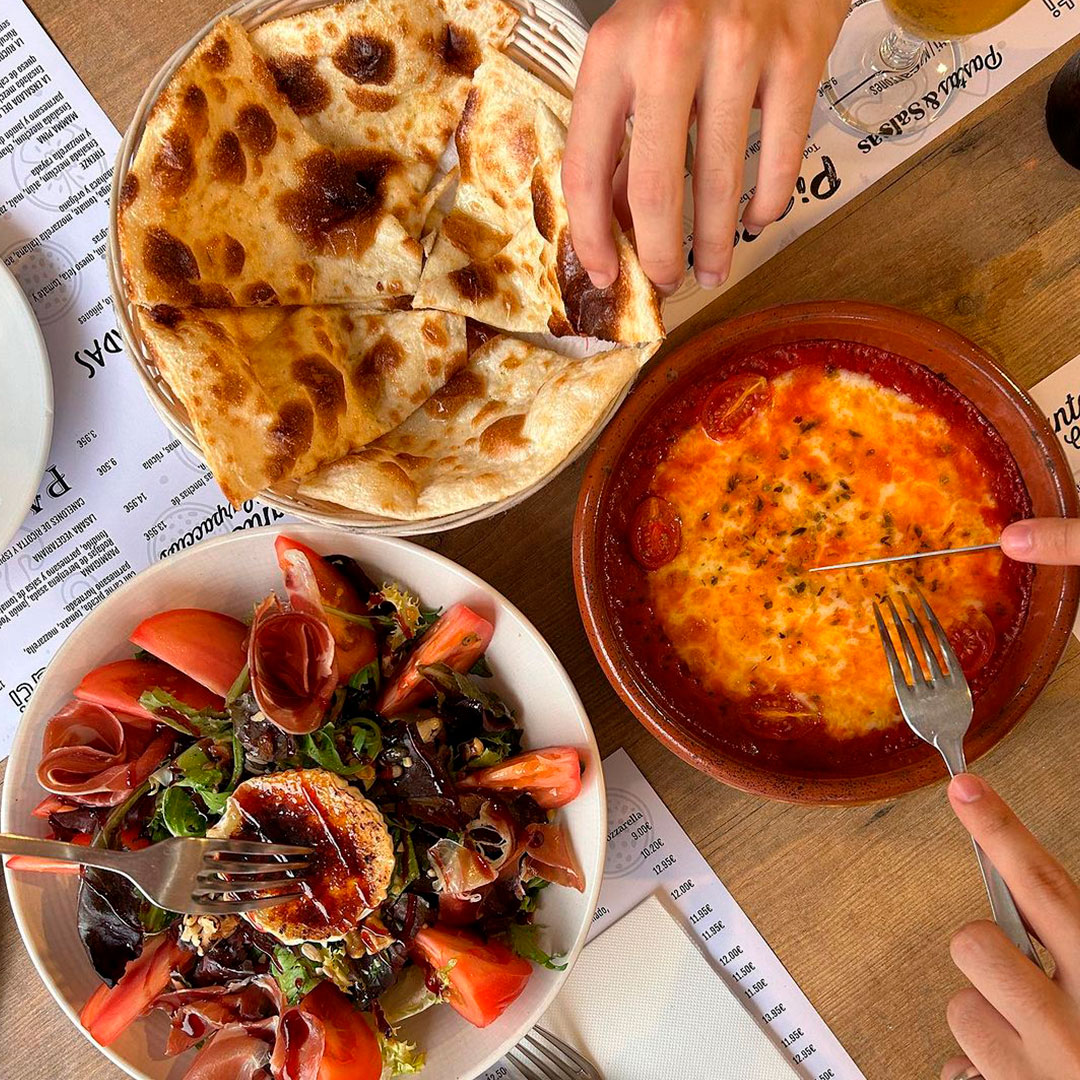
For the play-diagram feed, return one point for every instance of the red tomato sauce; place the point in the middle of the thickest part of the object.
(767, 740)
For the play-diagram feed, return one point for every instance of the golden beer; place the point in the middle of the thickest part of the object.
(947, 20)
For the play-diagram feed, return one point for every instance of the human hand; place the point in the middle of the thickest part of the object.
(1050, 541)
(1013, 1022)
(658, 60)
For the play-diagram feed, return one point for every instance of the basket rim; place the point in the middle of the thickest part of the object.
(571, 33)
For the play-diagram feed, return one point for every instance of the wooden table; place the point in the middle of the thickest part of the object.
(983, 230)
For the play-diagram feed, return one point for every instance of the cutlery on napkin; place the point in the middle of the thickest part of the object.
(643, 1003)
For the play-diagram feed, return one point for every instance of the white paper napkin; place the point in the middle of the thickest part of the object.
(643, 1003)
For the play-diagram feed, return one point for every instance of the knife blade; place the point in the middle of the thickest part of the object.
(904, 558)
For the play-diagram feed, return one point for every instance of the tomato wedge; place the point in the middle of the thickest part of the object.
(973, 641)
(119, 685)
(486, 977)
(552, 776)
(731, 405)
(352, 1049)
(356, 646)
(655, 532)
(110, 1010)
(458, 640)
(40, 865)
(207, 645)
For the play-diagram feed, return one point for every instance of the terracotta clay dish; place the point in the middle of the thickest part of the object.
(793, 438)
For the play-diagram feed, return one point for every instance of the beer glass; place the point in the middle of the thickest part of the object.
(897, 63)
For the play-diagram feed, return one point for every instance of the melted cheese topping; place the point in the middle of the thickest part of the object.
(835, 468)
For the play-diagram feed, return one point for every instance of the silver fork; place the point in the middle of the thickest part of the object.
(190, 874)
(937, 706)
(542, 1056)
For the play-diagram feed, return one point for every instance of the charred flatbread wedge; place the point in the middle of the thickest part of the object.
(528, 280)
(390, 77)
(273, 393)
(230, 202)
(628, 310)
(502, 423)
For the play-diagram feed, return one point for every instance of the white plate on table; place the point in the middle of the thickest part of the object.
(229, 574)
(26, 406)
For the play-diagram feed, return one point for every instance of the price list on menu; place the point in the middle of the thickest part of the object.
(119, 492)
(648, 852)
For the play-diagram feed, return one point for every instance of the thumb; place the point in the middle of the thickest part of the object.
(1050, 541)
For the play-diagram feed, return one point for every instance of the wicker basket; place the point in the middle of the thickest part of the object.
(549, 41)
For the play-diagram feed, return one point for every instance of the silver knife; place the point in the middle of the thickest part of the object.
(904, 558)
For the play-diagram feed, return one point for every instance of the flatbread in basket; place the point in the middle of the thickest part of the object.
(270, 230)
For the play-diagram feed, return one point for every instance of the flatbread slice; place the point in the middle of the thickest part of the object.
(628, 310)
(497, 144)
(273, 393)
(501, 424)
(231, 203)
(528, 281)
(390, 77)
(512, 286)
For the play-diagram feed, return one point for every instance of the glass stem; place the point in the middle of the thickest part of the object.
(901, 51)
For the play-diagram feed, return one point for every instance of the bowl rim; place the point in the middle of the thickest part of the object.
(742, 330)
(27, 732)
(565, 38)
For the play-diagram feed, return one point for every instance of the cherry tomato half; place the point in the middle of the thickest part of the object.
(780, 716)
(655, 532)
(973, 641)
(733, 403)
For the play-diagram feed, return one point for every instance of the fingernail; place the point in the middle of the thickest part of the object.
(1017, 539)
(667, 290)
(602, 278)
(708, 280)
(967, 788)
(752, 231)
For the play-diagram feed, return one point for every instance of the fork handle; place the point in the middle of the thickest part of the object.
(103, 858)
(1002, 905)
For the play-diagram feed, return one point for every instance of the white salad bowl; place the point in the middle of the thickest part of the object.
(228, 574)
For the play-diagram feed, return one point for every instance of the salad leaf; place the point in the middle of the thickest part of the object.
(180, 814)
(408, 996)
(522, 938)
(367, 738)
(418, 780)
(295, 974)
(321, 747)
(109, 921)
(240, 686)
(406, 867)
(204, 772)
(482, 668)
(451, 686)
(376, 973)
(410, 620)
(173, 712)
(370, 622)
(367, 679)
(399, 1056)
(532, 889)
(264, 744)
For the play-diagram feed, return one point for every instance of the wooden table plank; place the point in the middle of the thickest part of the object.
(981, 231)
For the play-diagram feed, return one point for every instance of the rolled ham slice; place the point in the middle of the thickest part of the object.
(292, 665)
(90, 755)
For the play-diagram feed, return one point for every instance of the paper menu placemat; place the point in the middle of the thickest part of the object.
(648, 851)
(643, 1002)
(119, 492)
(840, 164)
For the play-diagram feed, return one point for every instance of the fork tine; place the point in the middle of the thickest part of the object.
(223, 848)
(255, 879)
(918, 677)
(522, 1066)
(206, 904)
(543, 1036)
(239, 868)
(222, 901)
(932, 663)
(896, 669)
(542, 1066)
(952, 662)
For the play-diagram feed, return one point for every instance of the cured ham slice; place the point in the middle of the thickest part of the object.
(92, 756)
(292, 665)
(548, 855)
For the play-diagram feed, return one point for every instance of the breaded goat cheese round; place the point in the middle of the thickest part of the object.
(353, 858)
